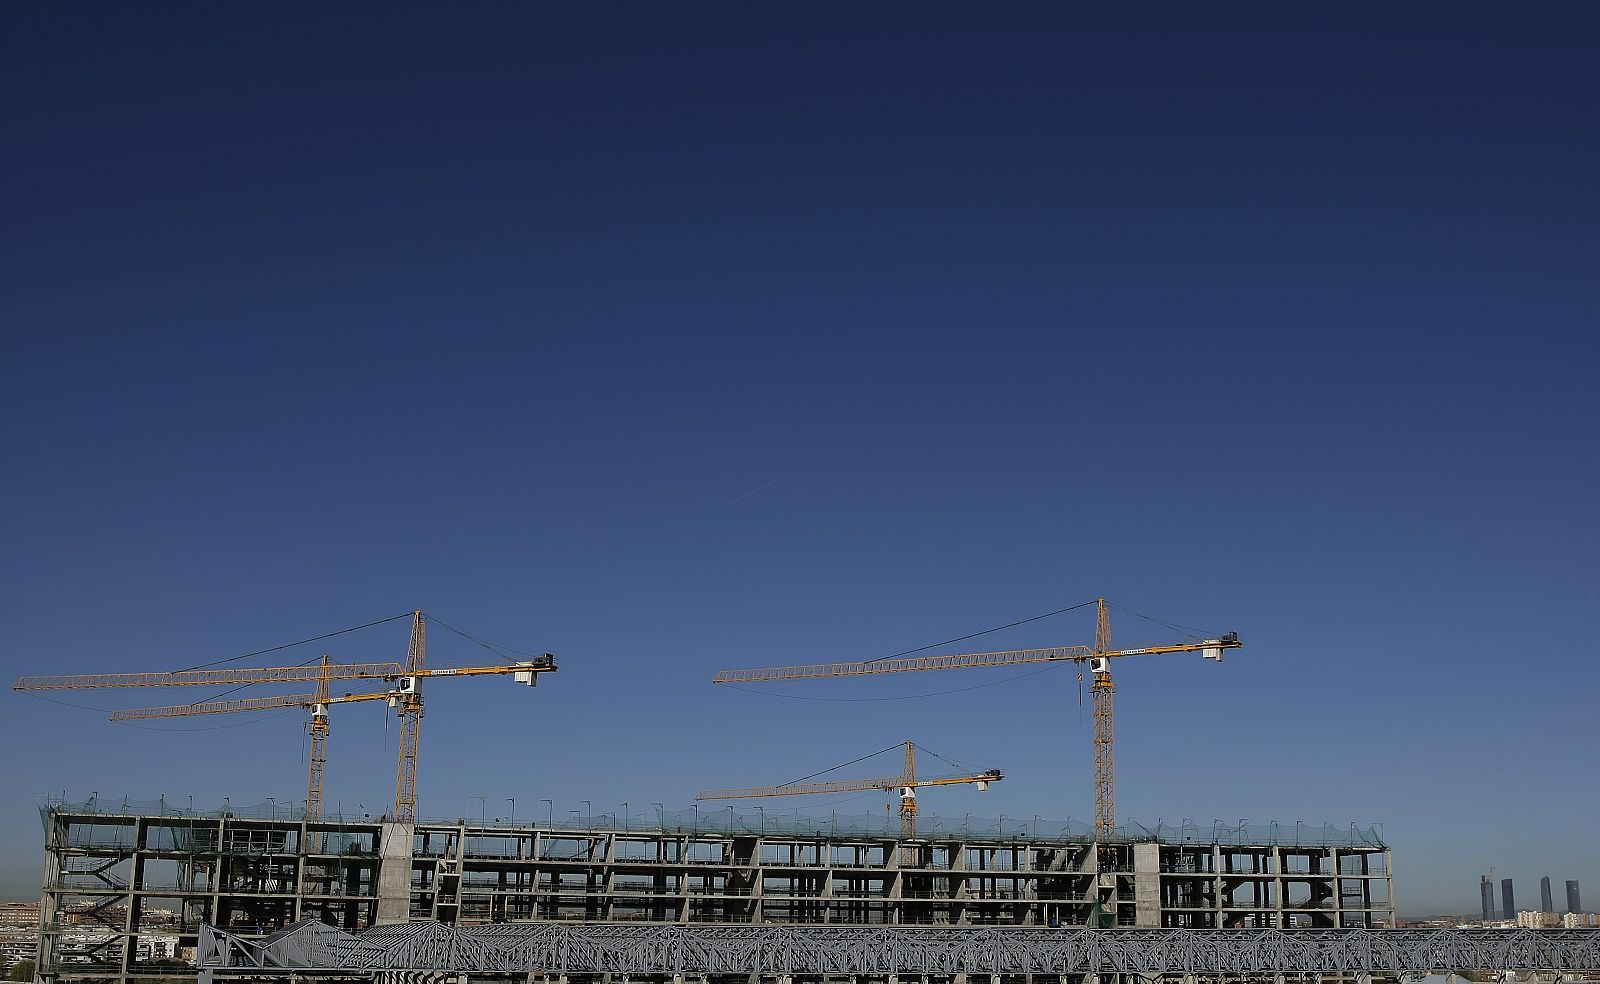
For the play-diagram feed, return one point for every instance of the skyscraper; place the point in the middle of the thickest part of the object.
(1508, 904)
(1572, 896)
(1486, 889)
(1547, 902)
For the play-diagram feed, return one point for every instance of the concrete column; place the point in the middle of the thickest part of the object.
(394, 872)
(134, 905)
(55, 843)
(1388, 880)
(1280, 890)
(1147, 884)
(1216, 875)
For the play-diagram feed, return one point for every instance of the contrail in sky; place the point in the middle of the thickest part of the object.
(753, 492)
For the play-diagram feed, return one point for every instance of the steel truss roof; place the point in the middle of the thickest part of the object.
(743, 949)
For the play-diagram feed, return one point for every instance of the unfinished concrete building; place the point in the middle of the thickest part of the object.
(127, 872)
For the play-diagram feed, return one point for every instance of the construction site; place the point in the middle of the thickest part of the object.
(244, 872)
(129, 869)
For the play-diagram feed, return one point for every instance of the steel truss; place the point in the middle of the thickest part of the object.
(522, 948)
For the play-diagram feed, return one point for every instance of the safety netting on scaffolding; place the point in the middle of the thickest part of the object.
(730, 821)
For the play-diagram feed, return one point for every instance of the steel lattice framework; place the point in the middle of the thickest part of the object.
(521, 948)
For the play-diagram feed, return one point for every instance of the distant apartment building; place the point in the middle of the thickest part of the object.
(19, 915)
(1537, 920)
(1580, 920)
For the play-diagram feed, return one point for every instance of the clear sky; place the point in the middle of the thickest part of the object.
(673, 338)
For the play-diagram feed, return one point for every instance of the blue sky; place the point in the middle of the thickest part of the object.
(679, 339)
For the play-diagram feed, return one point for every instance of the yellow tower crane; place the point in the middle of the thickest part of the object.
(906, 784)
(405, 697)
(317, 703)
(1099, 659)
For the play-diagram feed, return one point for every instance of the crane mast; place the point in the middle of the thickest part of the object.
(319, 746)
(908, 795)
(1105, 751)
(410, 700)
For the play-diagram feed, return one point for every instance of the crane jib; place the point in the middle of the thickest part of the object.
(1010, 657)
(212, 677)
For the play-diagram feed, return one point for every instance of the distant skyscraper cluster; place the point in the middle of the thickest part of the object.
(1508, 902)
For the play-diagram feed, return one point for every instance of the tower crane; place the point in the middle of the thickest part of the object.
(317, 703)
(906, 784)
(1099, 659)
(405, 698)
